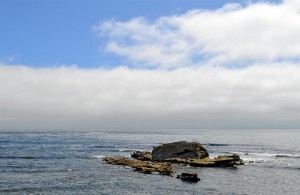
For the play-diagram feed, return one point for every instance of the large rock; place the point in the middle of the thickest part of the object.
(181, 149)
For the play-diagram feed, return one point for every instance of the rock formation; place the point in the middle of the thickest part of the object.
(182, 153)
(220, 161)
(181, 149)
(141, 155)
(142, 166)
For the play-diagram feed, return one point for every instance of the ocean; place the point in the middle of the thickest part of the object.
(70, 162)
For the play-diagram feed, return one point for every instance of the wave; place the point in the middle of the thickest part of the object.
(97, 156)
(267, 155)
(103, 146)
(212, 144)
(32, 157)
(14, 170)
(18, 157)
(4, 141)
(292, 168)
(287, 156)
(102, 156)
(270, 155)
(124, 150)
(254, 160)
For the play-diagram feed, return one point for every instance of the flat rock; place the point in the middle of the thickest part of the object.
(195, 162)
(220, 161)
(142, 166)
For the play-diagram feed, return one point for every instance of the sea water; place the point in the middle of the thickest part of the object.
(70, 162)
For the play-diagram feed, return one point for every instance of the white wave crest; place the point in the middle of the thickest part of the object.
(254, 160)
(98, 156)
(268, 155)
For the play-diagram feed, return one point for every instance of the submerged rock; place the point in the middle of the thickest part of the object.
(181, 149)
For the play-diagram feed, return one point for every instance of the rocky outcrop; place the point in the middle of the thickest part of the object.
(228, 161)
(180, 153)
(195, 162)
(142, 166)
(181, 149)
(220, 161)
(192, 177)
(142, 155)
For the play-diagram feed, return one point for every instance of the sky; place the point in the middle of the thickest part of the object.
(110, 65)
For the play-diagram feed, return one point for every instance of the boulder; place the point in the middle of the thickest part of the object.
(192, 177)
(181, 149)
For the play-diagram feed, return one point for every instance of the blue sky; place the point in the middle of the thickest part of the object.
(159, 64)
(55, 32)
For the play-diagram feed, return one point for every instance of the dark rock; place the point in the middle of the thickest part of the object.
(237, 159)
(228, 161)
(142, 155)
(181, 149)
(192, 177)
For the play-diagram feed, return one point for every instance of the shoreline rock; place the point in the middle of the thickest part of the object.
(164, 156)
(142, 166)
(220, 161)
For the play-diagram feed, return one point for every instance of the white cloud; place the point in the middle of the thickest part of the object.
(258, 96)
(260, 32)
(193, 86)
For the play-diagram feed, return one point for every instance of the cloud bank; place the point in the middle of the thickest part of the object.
(264, 96)
(234, 67)
(260, 32)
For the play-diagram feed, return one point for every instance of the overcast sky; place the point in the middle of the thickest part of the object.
(165, 65)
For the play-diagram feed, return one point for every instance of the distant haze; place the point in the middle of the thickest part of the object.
(256, 97)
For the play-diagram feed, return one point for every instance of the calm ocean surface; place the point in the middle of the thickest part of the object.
(52, 162)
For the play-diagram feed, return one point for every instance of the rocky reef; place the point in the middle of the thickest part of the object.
(220, 161)
(164, 156)
(142, 166)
